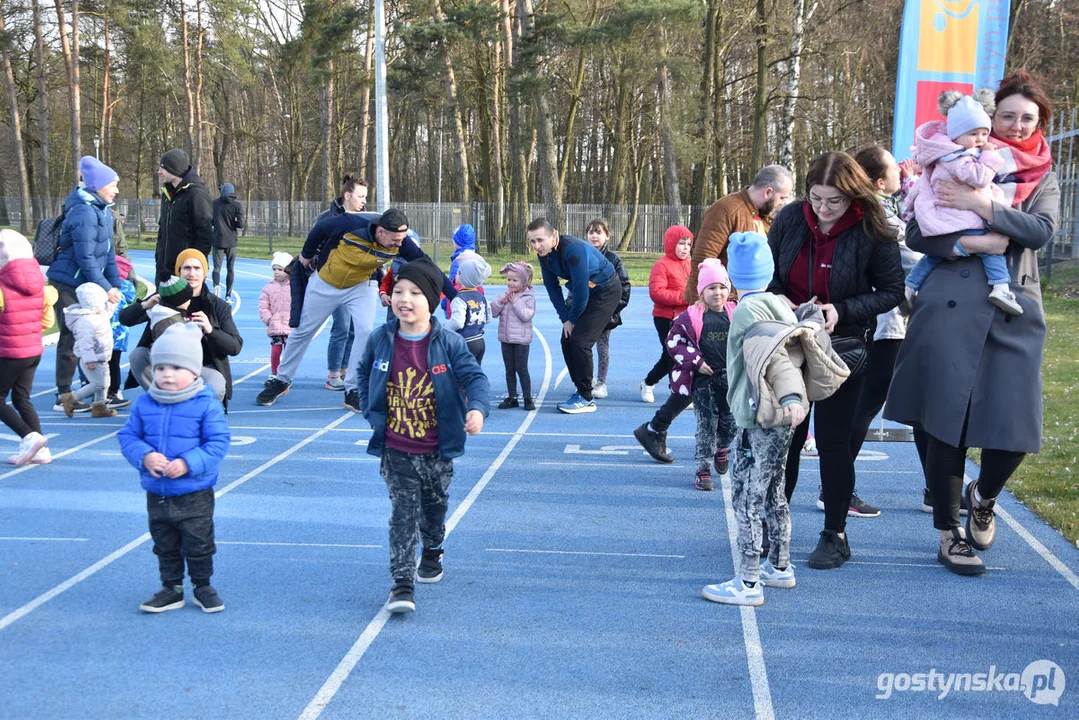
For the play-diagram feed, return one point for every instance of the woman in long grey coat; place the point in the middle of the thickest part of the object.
(968, 374)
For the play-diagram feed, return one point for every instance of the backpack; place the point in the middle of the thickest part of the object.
(47, 239)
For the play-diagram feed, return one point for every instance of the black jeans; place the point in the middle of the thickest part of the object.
(832, 420)
(880, 366)
(66, 362)
(182, 527)
(664, 364)
(477, 347)
(515, 358)
(671, 408)
(577, 348)
(229, 255)
(17, 377)
(114, 372)
(944, 470)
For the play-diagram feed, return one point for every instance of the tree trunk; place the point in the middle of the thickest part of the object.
(327, 136)
(460, 152)
(702, 168)
(16, 138)
(520, 140)
(759, 104)
(666, 136)
(365, 116)
(189, 126)
(497, 193)
(43, 113)
(802, 16)
(200, 133)
(106, 69)
(70, 47)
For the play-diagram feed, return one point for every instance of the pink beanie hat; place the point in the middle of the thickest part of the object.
(711, 272)
(523, 270)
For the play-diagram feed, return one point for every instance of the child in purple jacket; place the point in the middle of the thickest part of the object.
(515, 309)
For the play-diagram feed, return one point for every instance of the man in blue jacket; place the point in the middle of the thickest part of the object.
(595, 290)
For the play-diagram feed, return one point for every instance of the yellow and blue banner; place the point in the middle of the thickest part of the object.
(945, 44)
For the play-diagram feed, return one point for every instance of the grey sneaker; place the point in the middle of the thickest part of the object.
(169, 597)
(956, 554)
(207, 599)
(981, 522)
(335, 383)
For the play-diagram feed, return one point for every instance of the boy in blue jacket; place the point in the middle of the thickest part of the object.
(422, 391)
(177, 437)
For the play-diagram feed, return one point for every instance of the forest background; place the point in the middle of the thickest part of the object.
(502, 102)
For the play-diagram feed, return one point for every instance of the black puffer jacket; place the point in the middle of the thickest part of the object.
(866, 278)
(187, 220)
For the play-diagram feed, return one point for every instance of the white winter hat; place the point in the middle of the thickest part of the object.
(91, 295)
(281, 260)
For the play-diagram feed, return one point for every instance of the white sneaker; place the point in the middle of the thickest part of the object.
(43, 457)
(28, 448)
(646, 393)
(734, 592)
(1004, 299)
(599, 391)
(775, 578)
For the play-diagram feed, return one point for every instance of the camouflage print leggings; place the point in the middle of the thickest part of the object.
(757, 481)
(715, 424)
(419, 493)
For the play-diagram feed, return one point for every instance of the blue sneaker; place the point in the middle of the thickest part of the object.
(734, 592)
(577, 404)
(772, 577)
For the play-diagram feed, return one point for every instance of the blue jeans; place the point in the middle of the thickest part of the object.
(342, 335)
(996, 270)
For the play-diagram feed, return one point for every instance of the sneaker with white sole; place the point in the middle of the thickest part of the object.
(772, 577)
(118, 401)
(29, 446)
(858, 507)
(600, 391)
(734, 592)
(401, 597)
(1004, 299)
(169, 597)
(646, 393)
(430, 570)
(335, 383)
(982, 521)
(274, 389)
(43, 457)
(957, 555)
(207, 599)
(577, 404)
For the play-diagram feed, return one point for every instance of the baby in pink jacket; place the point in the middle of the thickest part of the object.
(275, 302)
(958, 151)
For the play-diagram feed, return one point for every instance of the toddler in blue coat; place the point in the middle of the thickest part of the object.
(177, 437)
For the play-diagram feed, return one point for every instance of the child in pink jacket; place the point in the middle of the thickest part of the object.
(515, 309)
(275, 303)
(958, 151)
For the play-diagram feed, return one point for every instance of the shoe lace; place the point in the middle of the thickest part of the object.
(959, 546)
(982, 515)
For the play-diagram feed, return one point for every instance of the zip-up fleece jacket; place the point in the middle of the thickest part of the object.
(667, 281)
(195, 430)
(453, 369)
(583, 266)
(683, 345)
(784, 360)
(515, 318)
(92, 331)
(274, 303)
(187, 221)
(25, 301)
(86, 251)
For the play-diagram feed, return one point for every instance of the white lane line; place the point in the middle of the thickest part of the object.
(292, 544)
(606, 464)
(353, 458)
(580, 552)
(901, 564)
(266, 410)
(561, 376)
(1045, 553)
(50, 539)
(53, 389)
(751, 636)
(59, 455)
(344, 668)
(109, 559)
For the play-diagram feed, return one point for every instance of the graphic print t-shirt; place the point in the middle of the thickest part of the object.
(713, 344)
(411, 422)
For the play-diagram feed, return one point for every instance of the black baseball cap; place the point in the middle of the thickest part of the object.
(393, 220)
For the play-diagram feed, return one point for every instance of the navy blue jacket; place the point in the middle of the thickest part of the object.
(446, 349)
(86, 252)
(583, 266)
(195, 430)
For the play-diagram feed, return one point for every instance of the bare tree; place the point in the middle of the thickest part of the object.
(16, 129)
(43, 110)
(802, 16)
(70, 47)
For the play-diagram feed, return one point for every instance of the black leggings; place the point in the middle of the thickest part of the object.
(515, 357)
(229, 256)
(664, 364)
(114, 372)
(944, 469)
(878, 378)
(17, 377)
(832, 420)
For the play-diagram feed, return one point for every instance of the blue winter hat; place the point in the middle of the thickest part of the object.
(749, 261)
(96, 174)
(227, 190)
(967, 114)
(465, 237)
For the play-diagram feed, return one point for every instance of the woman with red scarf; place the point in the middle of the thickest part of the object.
(838, 250)
(970, 375)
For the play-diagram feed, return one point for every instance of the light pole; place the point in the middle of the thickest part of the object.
(97, 147)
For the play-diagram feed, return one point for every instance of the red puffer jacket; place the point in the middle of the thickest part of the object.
(668, 278)
(23, 288)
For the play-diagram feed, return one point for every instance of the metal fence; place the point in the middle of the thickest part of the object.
(1063, 137)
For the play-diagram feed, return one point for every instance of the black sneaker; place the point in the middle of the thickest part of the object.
(509, 402)
(529, 405)
(352, 401)
(927, 502)
(169, 597)
(430, 566)
(274, 389)
(78, 407)
(858, 507)
(117, 402)
(400, 600)
(831, 551)
(981, 522)
(207, 599)
(653, 444)
(720, 462)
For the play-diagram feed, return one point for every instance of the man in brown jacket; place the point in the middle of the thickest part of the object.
(747, 210)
